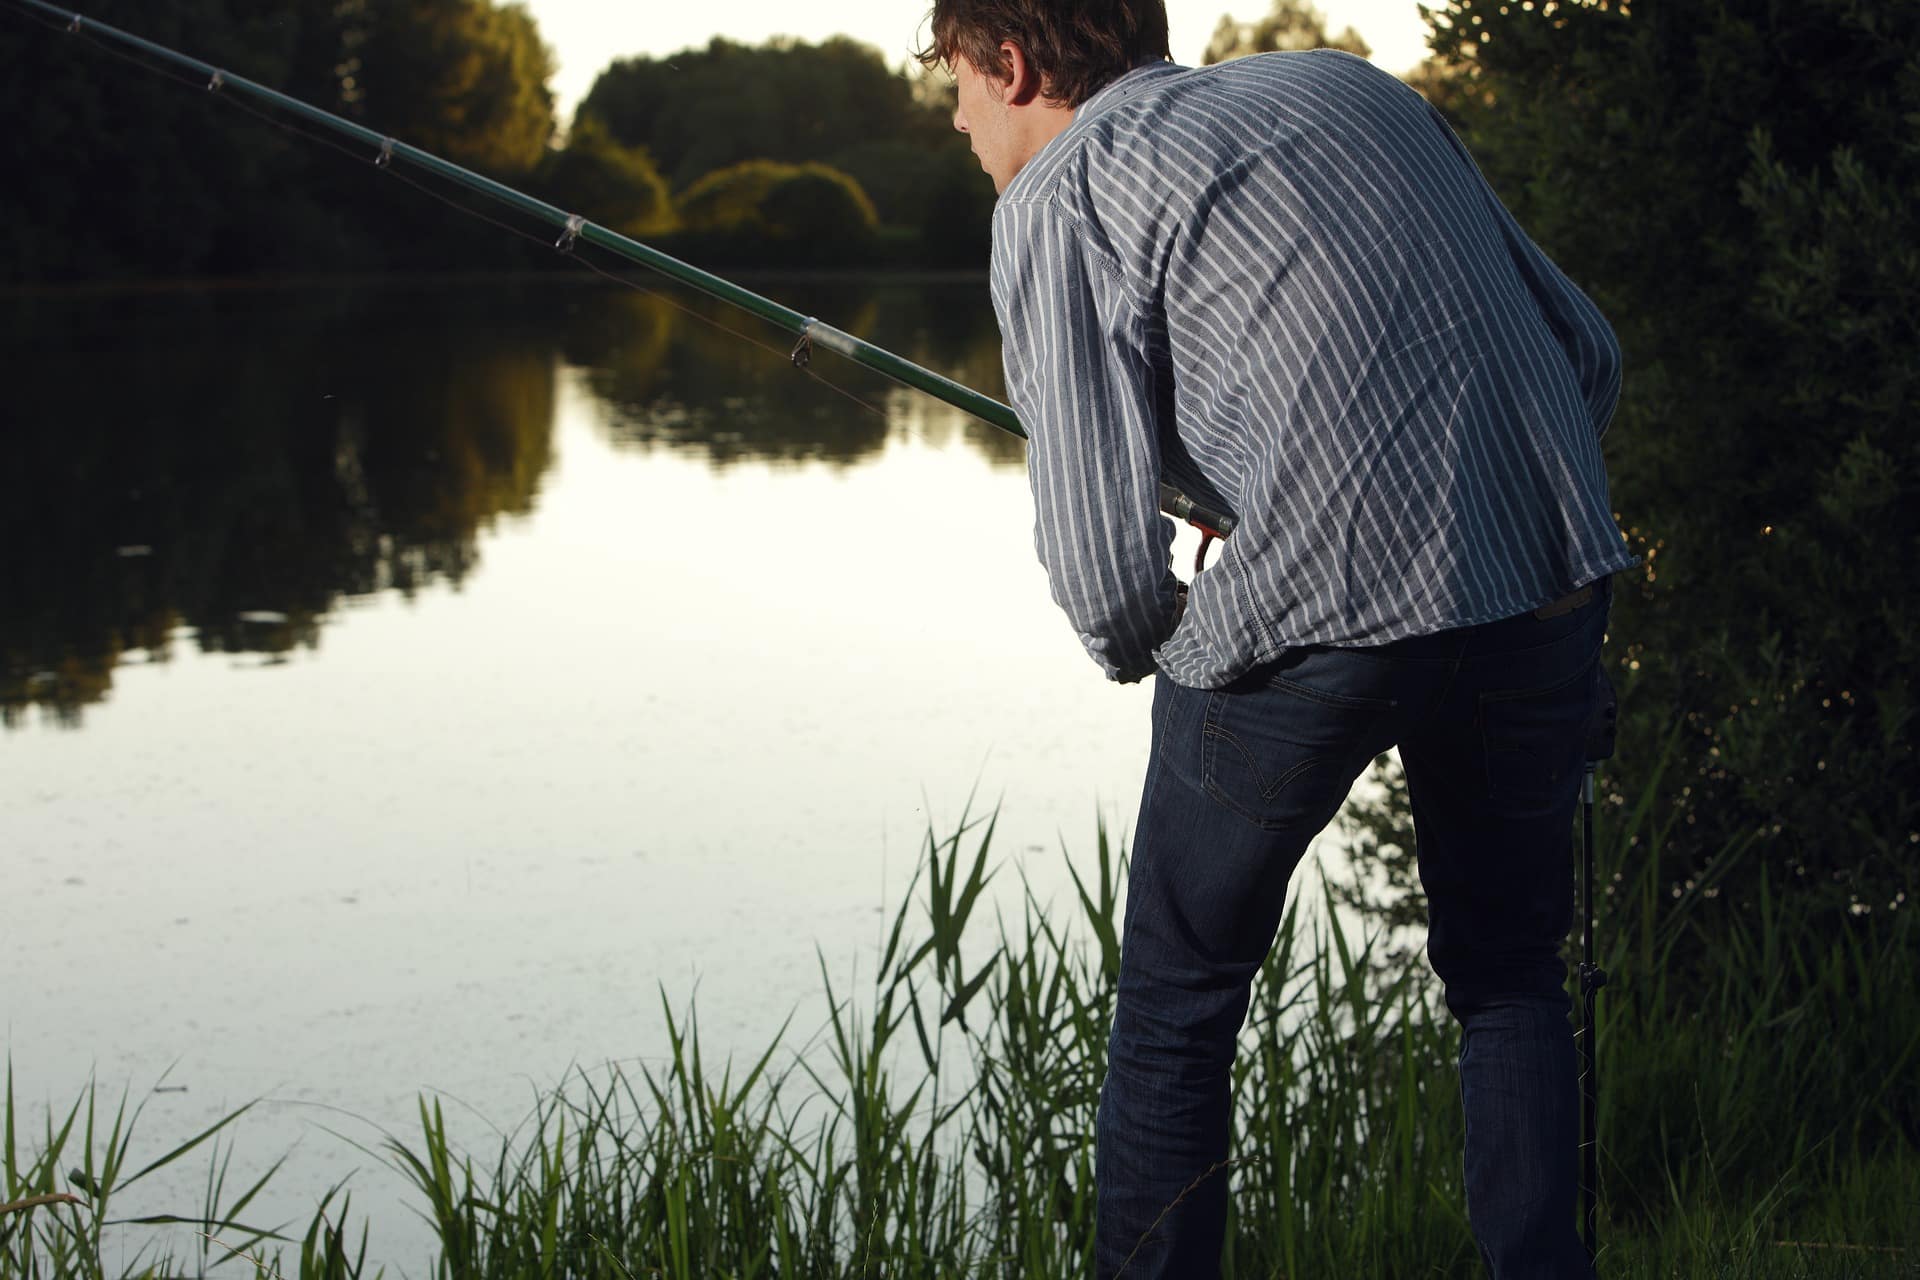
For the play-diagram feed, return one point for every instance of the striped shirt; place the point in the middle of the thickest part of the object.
(1282, 285)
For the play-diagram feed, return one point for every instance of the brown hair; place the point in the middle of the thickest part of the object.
(1077, 46)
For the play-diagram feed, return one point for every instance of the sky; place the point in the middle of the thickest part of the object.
(588, 34)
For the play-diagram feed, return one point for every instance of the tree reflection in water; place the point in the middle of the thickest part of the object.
(231, 463)
(680, 371)
(235, 462)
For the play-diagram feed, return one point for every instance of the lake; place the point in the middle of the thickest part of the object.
(406, 686)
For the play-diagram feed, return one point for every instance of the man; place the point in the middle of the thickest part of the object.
(1282, 285)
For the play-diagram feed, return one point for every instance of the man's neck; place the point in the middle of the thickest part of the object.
(1039, 123)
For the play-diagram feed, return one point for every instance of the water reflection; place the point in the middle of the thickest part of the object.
(686, 372)
(234, 464)
(671, 378)
(227, 465)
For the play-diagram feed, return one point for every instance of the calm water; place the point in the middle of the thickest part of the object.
(404, 687)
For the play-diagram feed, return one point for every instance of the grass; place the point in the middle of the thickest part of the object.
(1759, 1120)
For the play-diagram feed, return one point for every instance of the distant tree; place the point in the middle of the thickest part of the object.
(1289, 25)
(466, 79)
(131, 173)
(834, 103)
(956, 218)
(780, 213)
(952, 205)
(114, 170)
(608, 183)
(705, 109)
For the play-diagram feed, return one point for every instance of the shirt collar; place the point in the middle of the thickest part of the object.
(1117, 91)
(1110, 95)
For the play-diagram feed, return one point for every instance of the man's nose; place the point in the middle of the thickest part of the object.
(959, 121)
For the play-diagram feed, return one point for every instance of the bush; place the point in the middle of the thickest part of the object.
(606, 182)
(762, 212)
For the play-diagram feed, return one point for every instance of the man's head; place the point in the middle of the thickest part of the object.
(1024, 65)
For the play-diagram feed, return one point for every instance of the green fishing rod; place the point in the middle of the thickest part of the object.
(808, 332)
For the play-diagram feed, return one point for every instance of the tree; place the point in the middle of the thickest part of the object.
(787, 100)
(1737, 186)
(121, 171)
(1448, 87)
(762, 210)
(790, 102)
(608, 183)
(1289, 25)
(466, 79)
(134, 174)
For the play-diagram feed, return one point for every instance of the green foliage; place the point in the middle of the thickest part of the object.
(1447, 87)
(1738, 187)
(705, 109)
(702, 111)
(132, 174)
(607, 182)
(57, 1197)
(1289, 25)
(98, 149)
(465, 79)
(128, 172)
(766, 211)
(939, 194)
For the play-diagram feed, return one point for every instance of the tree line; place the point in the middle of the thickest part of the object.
(780, 154)
(787, 153)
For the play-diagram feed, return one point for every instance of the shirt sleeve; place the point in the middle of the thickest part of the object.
(1081, 379)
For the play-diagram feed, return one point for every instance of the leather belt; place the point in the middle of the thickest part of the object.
(1565, 604)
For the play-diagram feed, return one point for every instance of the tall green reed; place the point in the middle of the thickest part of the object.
(1753, 1054)
(879, 1151)
(1758, 1116)
(57, 1202)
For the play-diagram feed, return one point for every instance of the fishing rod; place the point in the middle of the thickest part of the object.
(807, 331)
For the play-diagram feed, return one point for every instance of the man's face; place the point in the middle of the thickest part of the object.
(981, 114)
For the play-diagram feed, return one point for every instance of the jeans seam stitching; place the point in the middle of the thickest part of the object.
(1333, 699)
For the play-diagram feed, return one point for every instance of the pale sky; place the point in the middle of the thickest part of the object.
(588, 34)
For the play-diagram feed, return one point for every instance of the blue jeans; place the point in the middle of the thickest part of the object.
(1490, 724)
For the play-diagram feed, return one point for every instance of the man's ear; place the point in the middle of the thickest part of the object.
(1024, 85)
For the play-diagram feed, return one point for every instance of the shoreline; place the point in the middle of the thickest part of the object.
(158, 285)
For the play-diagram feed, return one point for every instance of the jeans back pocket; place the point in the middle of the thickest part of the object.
(1284, 752)
(1533, 740)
